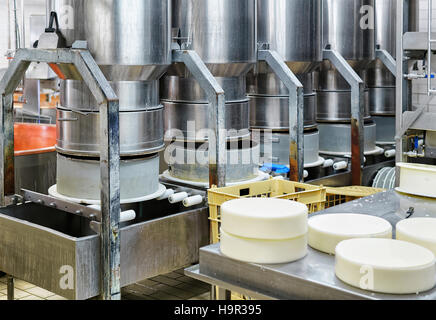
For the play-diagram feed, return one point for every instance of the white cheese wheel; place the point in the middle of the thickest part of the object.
(264, 218)
(327, 230)
(421, 231)
(263, 251)
(385, 266)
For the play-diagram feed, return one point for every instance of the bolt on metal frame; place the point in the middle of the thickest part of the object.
(91, 74)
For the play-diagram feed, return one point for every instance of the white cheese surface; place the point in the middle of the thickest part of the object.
(328, 230)
(385, 266)
(421, 231)
(263, 251)
(264, 218)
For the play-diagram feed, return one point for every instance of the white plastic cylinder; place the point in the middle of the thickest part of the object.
(342, 165)
(390, 153)
(305, 174)
(193, 201)
(124, 215)
(167, 193)
(328, 163)
(177, 197)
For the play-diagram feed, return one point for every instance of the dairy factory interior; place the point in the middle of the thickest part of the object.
(218, 150)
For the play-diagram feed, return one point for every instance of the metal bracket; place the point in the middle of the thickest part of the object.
(296, 111)
(78, 62)
(387, 60)
(217, 100)
(70, 207)
(357, 111)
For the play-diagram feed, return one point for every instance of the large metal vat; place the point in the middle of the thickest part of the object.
(293, 29)
(346, 30)
(223, 34)
(130, 41)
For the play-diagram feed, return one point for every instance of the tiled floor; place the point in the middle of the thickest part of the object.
(172, 286)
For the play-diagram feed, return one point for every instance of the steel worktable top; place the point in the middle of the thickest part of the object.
(312, 277)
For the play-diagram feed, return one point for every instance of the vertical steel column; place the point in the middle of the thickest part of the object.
(296, 111)
(217, 100)
(357, 111)
(110, 175)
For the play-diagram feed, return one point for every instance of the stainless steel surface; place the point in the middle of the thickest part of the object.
(293, 29)
(191, 120)
(178, 89)
(222, 32)
(36, 172)
(335, 139)
(335, 106)
(79, 178)
(48, 201)
(380, 78)
(217, 115)
(274, 148)
(140, 132)
(269, 106)
(242, 163)
(385, 129)
(312, 277)
(130, 40)
(82, 62)
(133, 95)
(345, 29)
(151, 245)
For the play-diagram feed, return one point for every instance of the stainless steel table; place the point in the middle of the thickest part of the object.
(312, 277)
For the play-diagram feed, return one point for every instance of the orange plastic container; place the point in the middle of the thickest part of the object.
(34, 138)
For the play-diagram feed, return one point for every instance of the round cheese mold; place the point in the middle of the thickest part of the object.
(385, 266)
(263, 251)
(326, 231)
(264, 218)
(421, 231)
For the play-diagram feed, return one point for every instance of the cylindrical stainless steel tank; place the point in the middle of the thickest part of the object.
(380, 81)
(348, 29)
(223, 33)
(293, 29)
(131, 42)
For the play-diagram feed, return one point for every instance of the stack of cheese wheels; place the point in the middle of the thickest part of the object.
(328, 230)
(421, 231)
(385, 266)
(264, 230)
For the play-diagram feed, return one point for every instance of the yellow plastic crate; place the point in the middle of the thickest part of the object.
(337, 196)
(312, 196)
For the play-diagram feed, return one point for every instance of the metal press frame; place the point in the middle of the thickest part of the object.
(91, 74)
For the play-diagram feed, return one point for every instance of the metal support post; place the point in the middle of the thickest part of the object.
(10, 287)
(79, 62)
(217, 142)
(296, 111)
(357, 111)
